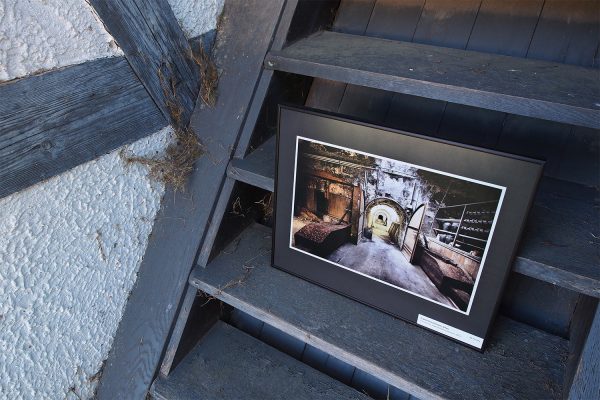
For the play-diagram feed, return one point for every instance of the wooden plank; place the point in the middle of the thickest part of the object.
(505, 26)
(175, 338)
(152, 41)
(255, 169)
(53, 122)
(447, 23)
(567, 32)
(539, 304)
(520, 361)
(470, 125)
(353, 16)
(242, 42)
(539, 139)
(230, 364)
(560, 243)
(322, 10)
(390, 19)
(393, 19)
(507, 84)
(580, 160)
(581, 322)
(586, 382)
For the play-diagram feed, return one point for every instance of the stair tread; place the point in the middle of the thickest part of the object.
(560, 244)
(520, 360)
(230, 364)
(540, 89)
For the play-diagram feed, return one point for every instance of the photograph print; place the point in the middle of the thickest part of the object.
(415, 229)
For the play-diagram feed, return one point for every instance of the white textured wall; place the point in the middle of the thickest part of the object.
(69, 252)
(70, 247)
(37, 35)
(196, 16)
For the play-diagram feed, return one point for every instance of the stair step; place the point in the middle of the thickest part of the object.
(521, 361)
(560, 242)
(539, 89)
(257, 168)
(230, 364)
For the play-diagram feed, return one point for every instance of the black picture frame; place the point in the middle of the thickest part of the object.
(319, 156)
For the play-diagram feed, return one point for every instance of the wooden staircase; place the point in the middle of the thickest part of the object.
(359, 71)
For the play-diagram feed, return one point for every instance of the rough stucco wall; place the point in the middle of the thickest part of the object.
(196, 16)
(37, 35)
(70, 247)
(69, 252)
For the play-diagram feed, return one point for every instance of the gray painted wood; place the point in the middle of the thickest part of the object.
(581, 322)
(520, 361)
(567, 32)
(392, 19)
(505, 26)
(256, 168)
(152, 41)
(507, 84)
(289, 13)
(447, 23)
(230, 364)
(586, 382)
(53, 122)
(183, 314)
(241, 45)
(560, 243)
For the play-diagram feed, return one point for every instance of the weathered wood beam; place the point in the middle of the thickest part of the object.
(53, 122)
(152, 41)
(242, 43)
(586, 380)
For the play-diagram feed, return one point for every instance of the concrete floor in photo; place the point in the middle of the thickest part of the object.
(380, 258)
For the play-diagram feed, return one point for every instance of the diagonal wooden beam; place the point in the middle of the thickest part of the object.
(152, 41)
(242, 43)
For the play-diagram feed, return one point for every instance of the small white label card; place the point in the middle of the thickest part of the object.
(450, 331)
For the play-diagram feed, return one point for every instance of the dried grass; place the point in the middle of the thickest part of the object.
(174, 166)
(266, 204)
(177, 163)
(209, 76)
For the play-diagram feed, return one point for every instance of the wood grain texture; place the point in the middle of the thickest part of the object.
(241, 45)
(520, 361)
(586, 382)
(447, 23)
(152, 41)
(53, 122)
(392, 19)
(291, 14)
(256, 168)
(581, 321)
(182, 317)
(507, 84)
(505, 26)
(567, 32)
(559, 246)
(230, 364)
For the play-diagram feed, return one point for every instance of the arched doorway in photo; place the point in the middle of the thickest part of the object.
(384, 218)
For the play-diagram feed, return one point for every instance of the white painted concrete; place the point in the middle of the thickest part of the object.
(38, 35)
(70, 248)
(196, 16)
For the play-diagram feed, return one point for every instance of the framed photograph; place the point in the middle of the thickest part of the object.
(423, 229)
